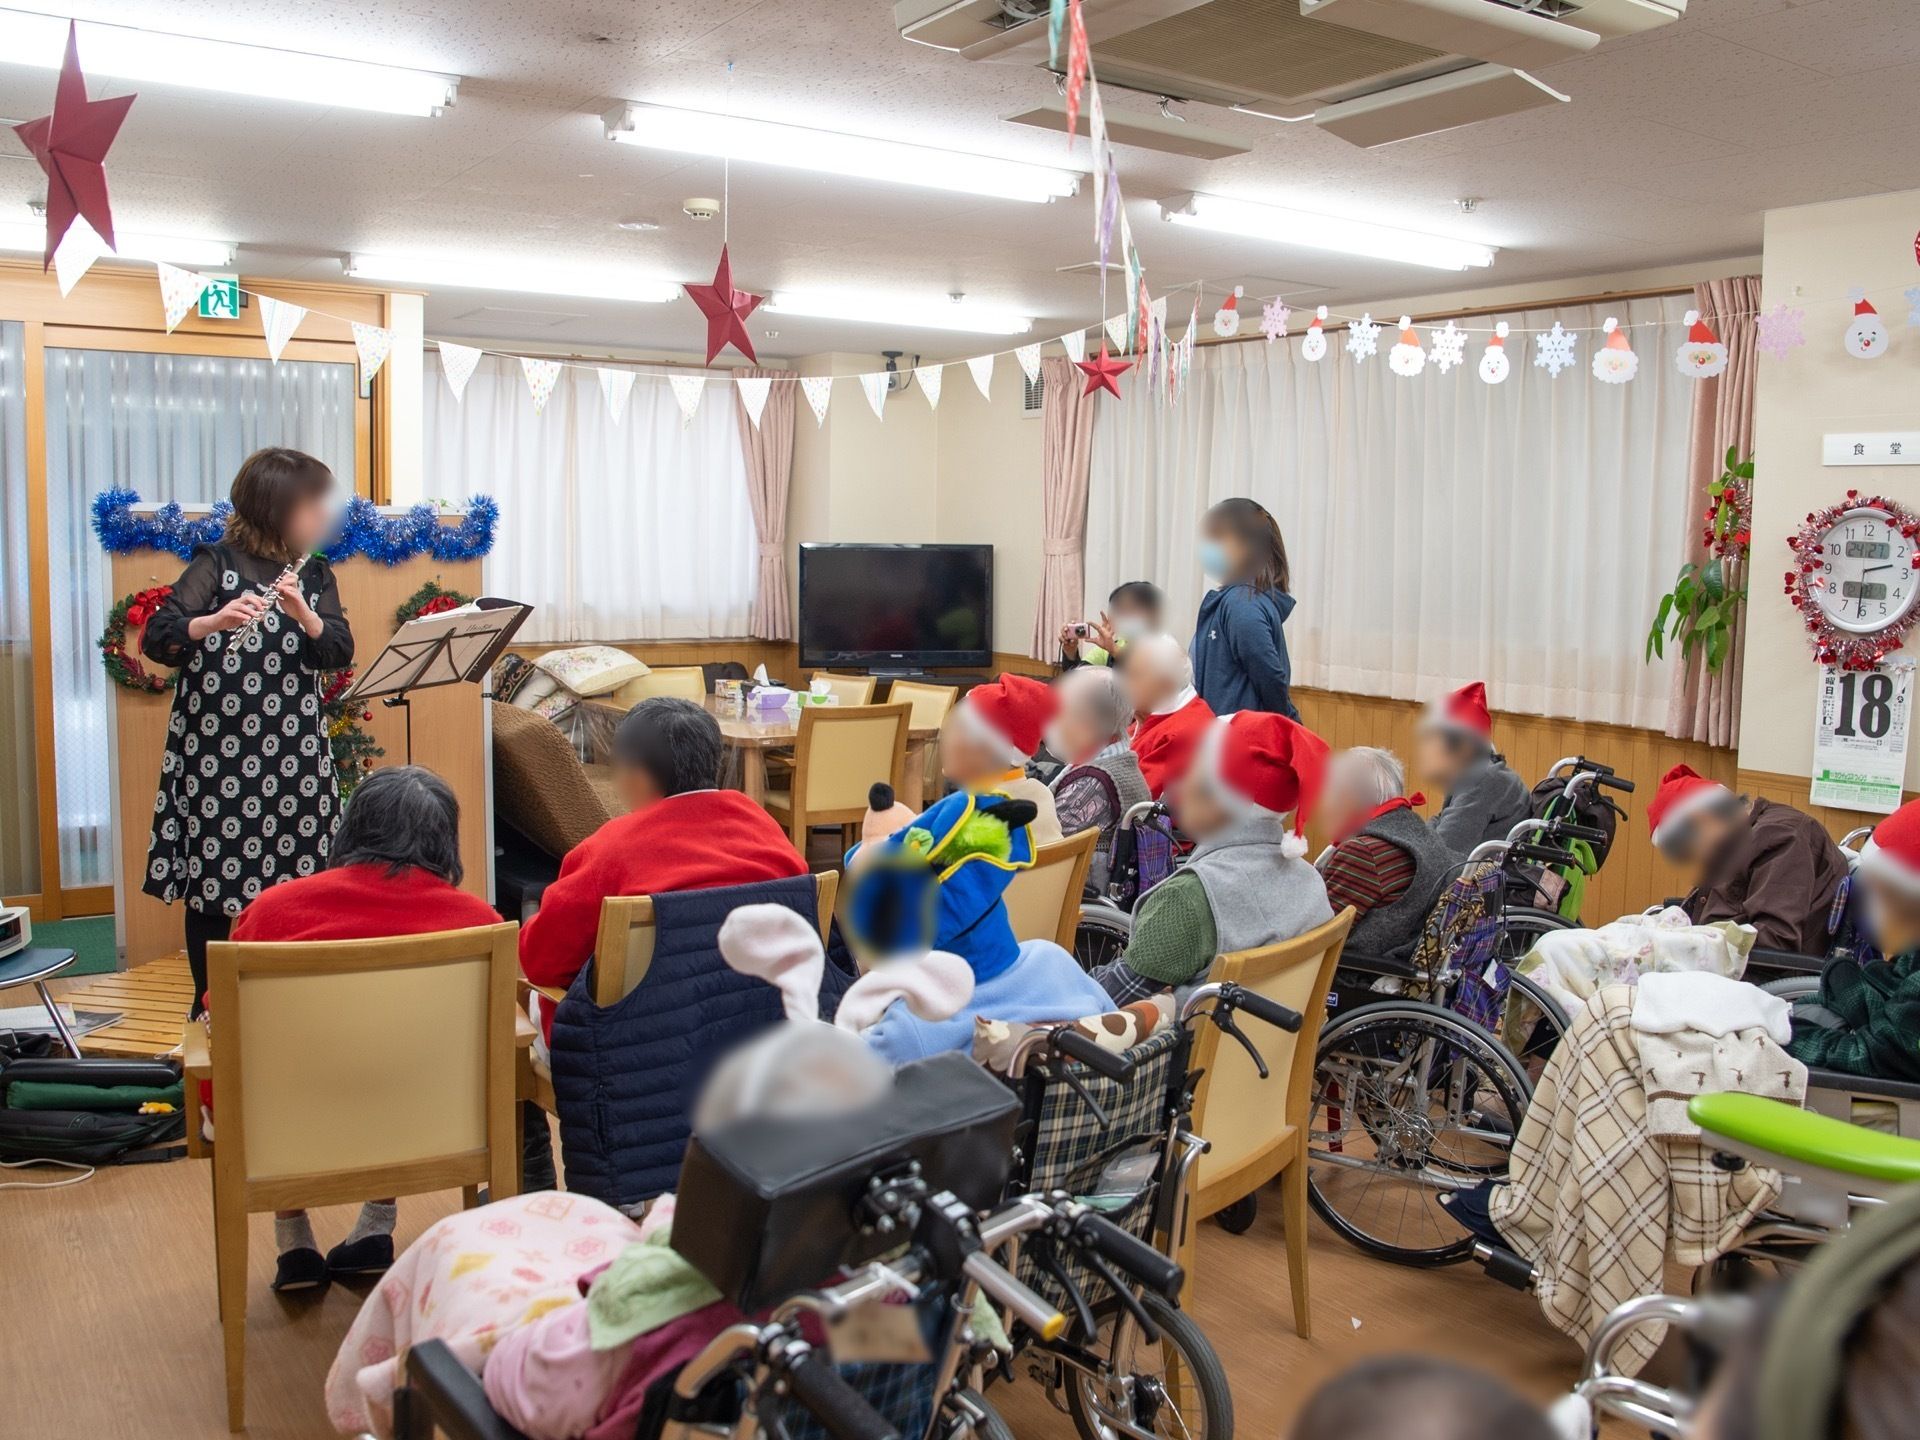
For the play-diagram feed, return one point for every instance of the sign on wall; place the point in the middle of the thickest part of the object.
(221, 299)
(1879, 447)
(1861, 720)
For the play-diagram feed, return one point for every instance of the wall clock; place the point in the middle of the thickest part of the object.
(1856, 579)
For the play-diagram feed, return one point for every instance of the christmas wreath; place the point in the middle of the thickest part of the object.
(354, 750)
(122, 663)
(430, 599)
(1831, 644)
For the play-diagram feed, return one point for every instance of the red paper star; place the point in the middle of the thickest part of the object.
(71, 145)
(726, 310)
(1104, 373)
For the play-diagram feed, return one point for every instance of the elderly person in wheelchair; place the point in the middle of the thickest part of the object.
(1384, 861)
(1100, 779)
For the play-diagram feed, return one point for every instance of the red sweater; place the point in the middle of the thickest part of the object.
(361, 902)
(1164, 744)
(696, 841)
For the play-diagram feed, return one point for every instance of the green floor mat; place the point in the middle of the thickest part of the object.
(90, 938)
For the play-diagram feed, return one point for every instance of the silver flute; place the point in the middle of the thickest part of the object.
(270, 592)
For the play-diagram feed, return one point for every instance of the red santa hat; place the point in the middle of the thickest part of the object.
(1011, 713)
(1232, 302)
(1683, 791)
(1319, 318)
(1463, 709)
(1269, 763)
(1698, 331)
(1893, 850)
(1864, 306)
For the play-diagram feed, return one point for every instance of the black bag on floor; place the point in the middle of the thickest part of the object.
(85, 1137)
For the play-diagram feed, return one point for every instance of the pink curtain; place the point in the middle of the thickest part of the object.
(1705, 705)
(1068, 422)
(769, 452)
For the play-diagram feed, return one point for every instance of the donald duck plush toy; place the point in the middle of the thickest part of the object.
(937, 884)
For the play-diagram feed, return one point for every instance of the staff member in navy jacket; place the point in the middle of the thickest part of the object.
(1239, 649)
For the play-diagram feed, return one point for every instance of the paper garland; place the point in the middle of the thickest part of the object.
(753, 395)
(457, 363)
(179, 291)
(930, 377)
(875, 384)
(81, 246)
(616, 386)
(819, 390)
(1029, 358)
(981, 368)
(375, 343)
(541, 375)
(687, 389)
(279, 319)
(1075, 343)
(1118, 330)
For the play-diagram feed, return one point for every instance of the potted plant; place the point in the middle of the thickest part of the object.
(1701, 609)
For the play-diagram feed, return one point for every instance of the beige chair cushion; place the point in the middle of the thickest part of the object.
(589, 670)
(540, 787)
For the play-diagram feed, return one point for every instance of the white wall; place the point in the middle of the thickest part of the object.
(988, 470)
(1813, 255)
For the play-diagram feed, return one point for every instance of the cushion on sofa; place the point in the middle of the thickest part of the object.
(589, 670)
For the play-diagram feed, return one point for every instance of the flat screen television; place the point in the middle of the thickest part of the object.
(896, 607)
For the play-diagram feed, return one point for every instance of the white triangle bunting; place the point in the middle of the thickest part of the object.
(1029, 358)
(179, 292)
(457, 363)
(279, 319)
(981, 368)
(78, 250)
(375, 343)
(616, 386)
(819, 390)
(1117, 326)
(542, 376)
(753, 395)
(931, 377)
(1076, 344)
(875, 385)
(687, 389)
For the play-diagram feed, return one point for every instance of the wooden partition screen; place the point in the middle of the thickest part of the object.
(450, 735)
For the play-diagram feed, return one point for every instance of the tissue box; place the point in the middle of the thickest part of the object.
(771, 697)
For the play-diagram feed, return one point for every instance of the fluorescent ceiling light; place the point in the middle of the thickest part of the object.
(827, 152)
(525, 277)
(153, 57)
(890, 310)
(1325, 232)
(31, 236)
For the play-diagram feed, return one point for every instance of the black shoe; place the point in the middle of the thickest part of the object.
(369, 1255)
(300, 1269)
(1472, 1209)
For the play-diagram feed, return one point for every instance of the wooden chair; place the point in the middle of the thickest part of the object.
(1258, 1129)
(847, 689)
(351, 1070)
(838, 753)
(930, 702)
(689, 682)
(1044, 903)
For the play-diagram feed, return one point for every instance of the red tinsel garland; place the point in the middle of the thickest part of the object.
(1832, 645)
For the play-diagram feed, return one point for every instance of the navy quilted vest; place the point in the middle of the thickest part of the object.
(625, 1078)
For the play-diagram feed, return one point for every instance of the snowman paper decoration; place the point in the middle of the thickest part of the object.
(1494, 365)
(1313, 345)
(1701, 356)
(1614, 363)
(1406, 357)
(1226, 320)
(1866, 337)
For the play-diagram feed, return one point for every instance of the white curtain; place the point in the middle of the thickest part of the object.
(19, 780)
(1440, 529)
(171, 427)
(632, 531)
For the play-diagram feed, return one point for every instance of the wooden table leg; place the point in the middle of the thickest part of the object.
(753, 773)
(913, 784)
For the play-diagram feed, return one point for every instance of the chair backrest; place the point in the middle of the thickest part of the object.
(847, 689)
(688, 682)
(623, 948)
(348, 1070)
(540, 788)
(838, 753)
(930, 702)
(1043, 903)
(1247, 1120)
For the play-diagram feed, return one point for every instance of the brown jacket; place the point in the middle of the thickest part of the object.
(1778, 873)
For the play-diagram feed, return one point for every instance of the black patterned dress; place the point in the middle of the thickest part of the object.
(247, 795)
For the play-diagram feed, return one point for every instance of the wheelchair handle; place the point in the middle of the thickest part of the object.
(1238, 997)
(1614, 782)
(1538, 854)
(1140, 1260)
(1089, 1052)
(1593, 834)
(841, 1410)
(1039, 1315)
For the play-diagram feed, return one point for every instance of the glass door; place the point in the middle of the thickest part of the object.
(19, 733)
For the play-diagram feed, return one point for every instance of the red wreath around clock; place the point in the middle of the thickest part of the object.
(1856, 579)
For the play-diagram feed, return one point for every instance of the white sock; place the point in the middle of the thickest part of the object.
(376, 1218)
(293, 1233)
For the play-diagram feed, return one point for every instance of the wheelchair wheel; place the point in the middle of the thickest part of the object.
(964, 1415)
(1410, 1101)
(1531, 1025)
(1176, 1389)
(1101, 936)
(1238, 1217)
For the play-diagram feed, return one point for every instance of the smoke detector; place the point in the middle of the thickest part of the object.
(701, 207)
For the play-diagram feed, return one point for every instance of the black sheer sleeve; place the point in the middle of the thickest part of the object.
(195, 593)
(332, 648)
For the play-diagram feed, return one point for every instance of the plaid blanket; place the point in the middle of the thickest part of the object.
(1596, 1202)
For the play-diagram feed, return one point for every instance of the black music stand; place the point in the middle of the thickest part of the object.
(450, 648)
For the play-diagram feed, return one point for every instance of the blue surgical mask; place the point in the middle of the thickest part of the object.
(1213, 560)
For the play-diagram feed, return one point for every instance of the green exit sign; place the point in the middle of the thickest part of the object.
(221, 299)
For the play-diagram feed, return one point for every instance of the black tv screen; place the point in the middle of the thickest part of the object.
(896, 607)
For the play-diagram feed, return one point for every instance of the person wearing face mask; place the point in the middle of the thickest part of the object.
(1239, 647)
(1101, 780)
(1133, 610)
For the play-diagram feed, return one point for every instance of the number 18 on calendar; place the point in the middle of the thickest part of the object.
(1860, 736)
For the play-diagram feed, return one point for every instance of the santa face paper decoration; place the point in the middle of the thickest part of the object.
(1866, 337)
(1406, 357)
(1226, 320)
(1313, 345)
(1701, 356)
(1614, 363)
(1494, 365)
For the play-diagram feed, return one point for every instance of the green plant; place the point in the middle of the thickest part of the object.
(1705, 602)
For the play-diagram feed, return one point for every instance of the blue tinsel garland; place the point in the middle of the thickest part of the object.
(363, 530)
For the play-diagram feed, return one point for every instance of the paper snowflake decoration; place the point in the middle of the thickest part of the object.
(1553, 351)
(1449, 348)
(1273, 320)
(1780, 329)
(1363, 338)
(1913, 304)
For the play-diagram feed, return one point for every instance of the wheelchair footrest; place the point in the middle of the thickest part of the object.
(1509, 1269)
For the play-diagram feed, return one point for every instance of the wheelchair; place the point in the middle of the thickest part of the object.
(1146, 850)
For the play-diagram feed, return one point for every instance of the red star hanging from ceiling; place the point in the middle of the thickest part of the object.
(1104, 373)
(726, 310)
(71, 145)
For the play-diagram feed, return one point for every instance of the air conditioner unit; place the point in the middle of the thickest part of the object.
(1446, 102)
